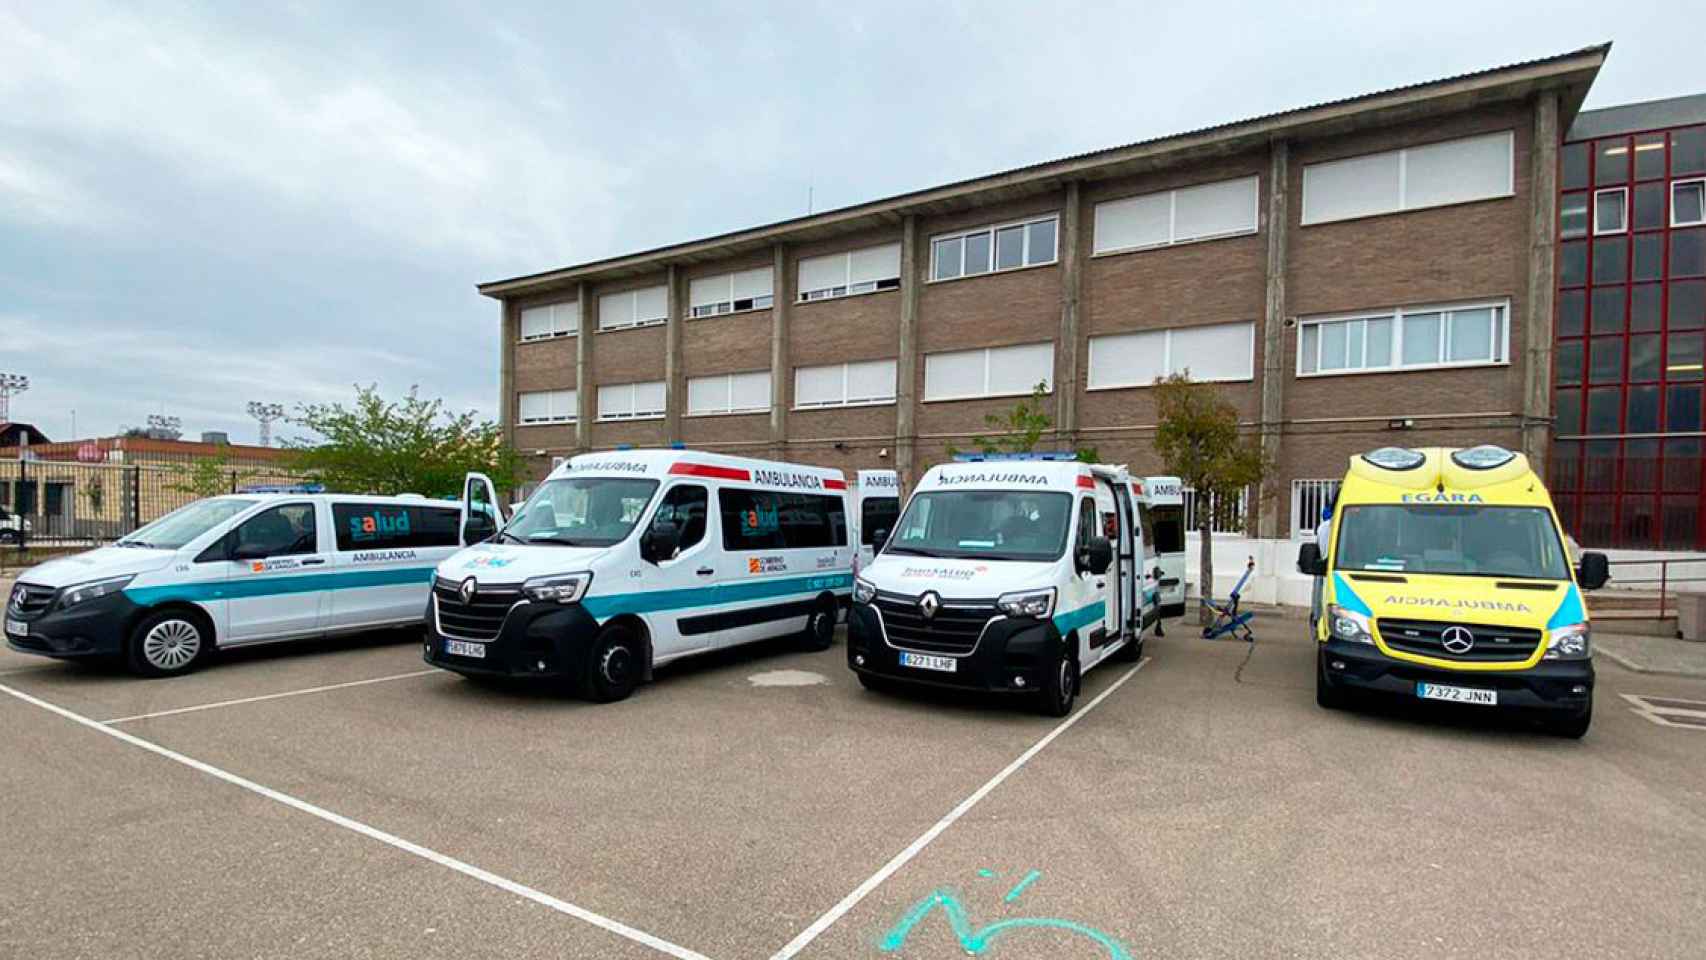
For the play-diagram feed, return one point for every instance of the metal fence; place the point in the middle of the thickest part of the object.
(1309, 498)
(71, 503)
(1226, 514)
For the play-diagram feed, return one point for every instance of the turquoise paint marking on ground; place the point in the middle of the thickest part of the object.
(1030, 878)
(653, 601)
(246, 585)
(978, 940)
(986, 873)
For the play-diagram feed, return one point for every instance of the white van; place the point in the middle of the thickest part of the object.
(1014, 575)
(876, 496)
(236, 570)
(1165, 498)
(622, 561)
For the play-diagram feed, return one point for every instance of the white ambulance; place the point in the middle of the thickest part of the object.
(876, 496)
(625, 560)
(1006, 574)
(1165, 498)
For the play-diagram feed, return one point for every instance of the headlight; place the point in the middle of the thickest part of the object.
(1345, 625)
(864, 591)
(1036, 604)
(93, 590)
(557, 589)
(1573, 642)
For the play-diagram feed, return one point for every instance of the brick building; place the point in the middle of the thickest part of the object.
(1368, 271)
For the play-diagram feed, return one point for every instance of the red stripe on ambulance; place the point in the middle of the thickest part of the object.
(708, 470)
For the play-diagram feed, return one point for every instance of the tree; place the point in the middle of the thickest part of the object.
(1018, 430)
(204, 476)
(1198, 440)
(413, 445)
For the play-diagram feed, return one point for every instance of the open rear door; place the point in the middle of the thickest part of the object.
(479, 515)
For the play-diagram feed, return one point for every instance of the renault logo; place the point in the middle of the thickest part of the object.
(1457, 640)
(467, 590)
(928, 604)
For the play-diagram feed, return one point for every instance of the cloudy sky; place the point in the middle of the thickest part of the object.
(206, 205)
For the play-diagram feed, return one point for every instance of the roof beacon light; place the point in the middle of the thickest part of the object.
(1484, 457)
(1395, 458)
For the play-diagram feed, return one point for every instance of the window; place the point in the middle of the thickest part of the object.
(991, 372)
(645, 307)
(631, 401)
(772, 520)
(996, 524)
(877, 515)
(1454, 171)
(582, 511)
(1006, 247)
(729, 393)
(1457, 539)
(729, 292)
(845, 384)
(551, 320)
(1470, 334)
(548, 406)
(1087, 525)
(1219, 352)
(283, 531)
(1611, 210)
(686, 506)
(1687, 203)
(383, 526)
(1203, 212)
(1573, 216)
(844, 274)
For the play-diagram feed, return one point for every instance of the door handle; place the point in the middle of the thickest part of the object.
(1100, 584)
(313, 561)
(705, 571)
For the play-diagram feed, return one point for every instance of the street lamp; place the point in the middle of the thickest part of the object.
(10, 385)
(266, 413)
(164, 427)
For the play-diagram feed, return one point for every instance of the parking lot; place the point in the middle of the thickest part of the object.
(341, 800)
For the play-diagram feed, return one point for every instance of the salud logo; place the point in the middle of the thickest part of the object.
(1458, 640)
(928, 604)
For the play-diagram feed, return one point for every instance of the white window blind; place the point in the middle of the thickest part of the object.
(547, 406)
(845, 384)
(990, 372)
(633, 308)
(551, 320)
(1454, 335)
(856, 271)
(729, 393)
(631, 401)
(1210, 210)
(728, 292)
(1454, 171)
(1218, 352)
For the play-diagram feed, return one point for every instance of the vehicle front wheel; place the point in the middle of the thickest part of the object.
(1328, 695)
(613, 667)
(1060, 686)
(820, 627)
(1573, 726)
(166, 644)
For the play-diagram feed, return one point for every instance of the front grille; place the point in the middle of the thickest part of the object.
(954, 630)
(1427, 637)
(35, 601)
(480, 620)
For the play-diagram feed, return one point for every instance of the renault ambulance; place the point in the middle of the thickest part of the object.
(1165, 498)
(623, 561)
(1447, 579)
(1009, 575)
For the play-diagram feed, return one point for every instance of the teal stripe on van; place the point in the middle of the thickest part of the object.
(1082, 617)
(256, 585)
(655, 601)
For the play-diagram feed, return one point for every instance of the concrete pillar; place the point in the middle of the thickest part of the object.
(508, 334)
(585, 392)
(1066, 377)
(906, 367)
(674, 380)
(1542, 250)
(781, 309)
(1271, 506)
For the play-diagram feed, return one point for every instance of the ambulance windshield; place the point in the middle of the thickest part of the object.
(581, 511)
(1478, 540)
(984, 524)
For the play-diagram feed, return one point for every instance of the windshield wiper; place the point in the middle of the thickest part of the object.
(505, 533)
(910, 551)
(561, 541)
(133, 543)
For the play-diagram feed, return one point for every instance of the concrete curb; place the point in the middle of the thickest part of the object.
(1635, 667)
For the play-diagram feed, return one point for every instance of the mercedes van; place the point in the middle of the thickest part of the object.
(230, 571)
(1447, 579)
(1014, 575)
(623, 561)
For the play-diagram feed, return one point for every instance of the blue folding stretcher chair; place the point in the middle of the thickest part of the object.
(1227, 619)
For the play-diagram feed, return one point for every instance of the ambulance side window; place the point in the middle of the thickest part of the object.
(877, 513)
(685, 506)
(1088, 525)
(1147, 525)
(282, 531)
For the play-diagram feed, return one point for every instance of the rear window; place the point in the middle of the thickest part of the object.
(389, 526)
(1169, 529)
(769, 520)
(876, 515)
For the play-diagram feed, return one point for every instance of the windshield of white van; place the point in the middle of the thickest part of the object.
(1481, 541)
(186, 523)
(985, 525)
(581, 511)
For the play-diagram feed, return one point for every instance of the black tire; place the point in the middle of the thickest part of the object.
(1573, 726)
(1328, 695)
(1060, 684)
(1132, 651)
(167, 643)
(875, 684)
(820, 627)
(613, 666)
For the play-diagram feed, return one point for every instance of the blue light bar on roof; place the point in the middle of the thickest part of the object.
(1050, 455)
(283, 488)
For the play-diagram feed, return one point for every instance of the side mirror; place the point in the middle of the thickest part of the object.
(1096, 556)
(479, 528)
(1310, 562)
(879, 539)
(660, 541)
(1594, 570)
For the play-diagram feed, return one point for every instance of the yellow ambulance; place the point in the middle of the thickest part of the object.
(1446, 578)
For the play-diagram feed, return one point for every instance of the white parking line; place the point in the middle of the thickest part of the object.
(1669, 711)
(433, 856)
(270, 696)
(859, 893)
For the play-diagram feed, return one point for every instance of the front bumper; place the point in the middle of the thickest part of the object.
(536, 640)
(1551, 685)
(1008, 652)
(94, 628)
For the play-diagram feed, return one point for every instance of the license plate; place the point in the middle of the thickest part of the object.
(17, 628)
(922, 662)
(1475, 695)
(462, 648)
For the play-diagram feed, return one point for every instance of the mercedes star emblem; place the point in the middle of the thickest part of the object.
(928, 604)
(18, 597)
(1457, 640)
(467, 590)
